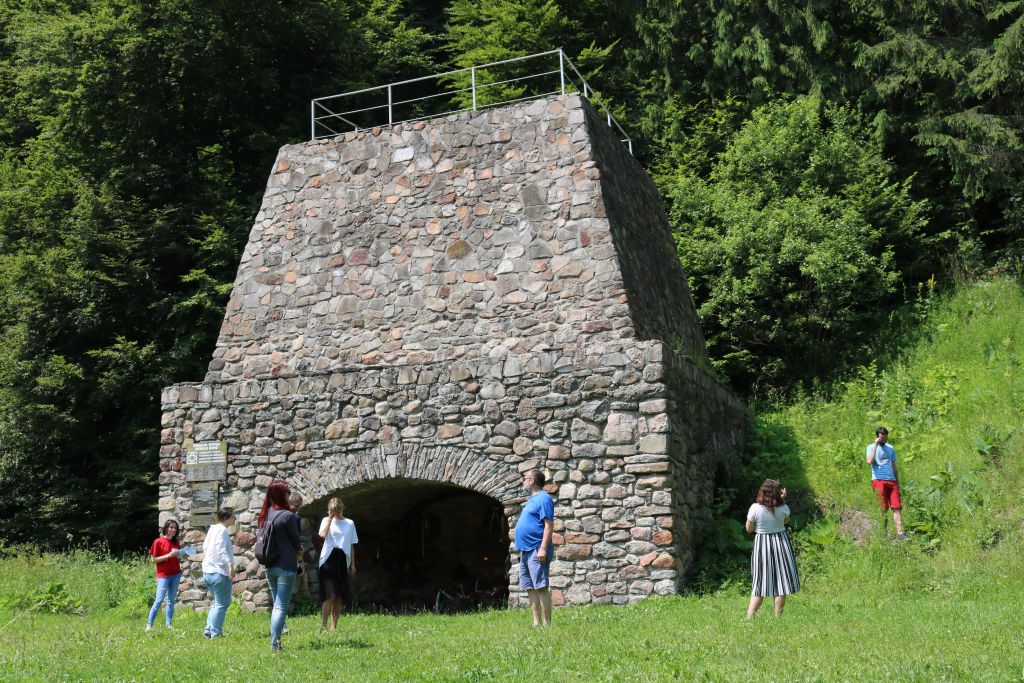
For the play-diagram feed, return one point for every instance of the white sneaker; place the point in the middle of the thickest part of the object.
(149, 627)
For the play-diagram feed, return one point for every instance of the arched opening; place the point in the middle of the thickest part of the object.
(423, 545)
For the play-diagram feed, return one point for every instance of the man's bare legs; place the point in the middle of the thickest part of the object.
(540, 606)
(534, 596)
(545, 605)
(897, 518)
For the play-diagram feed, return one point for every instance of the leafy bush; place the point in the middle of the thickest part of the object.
(795, 245)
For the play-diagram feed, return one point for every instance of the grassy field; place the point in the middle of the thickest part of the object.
(849, 632)
(945, 606)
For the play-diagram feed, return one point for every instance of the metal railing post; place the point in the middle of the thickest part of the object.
(472, 83)
(312, 119)
(561, 68)
(390, 117)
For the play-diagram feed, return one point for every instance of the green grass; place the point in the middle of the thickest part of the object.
(827, 633)
(946, 606)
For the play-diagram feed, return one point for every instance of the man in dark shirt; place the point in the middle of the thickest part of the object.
(294, 503)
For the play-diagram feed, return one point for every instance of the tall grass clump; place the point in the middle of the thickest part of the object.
(76, 581)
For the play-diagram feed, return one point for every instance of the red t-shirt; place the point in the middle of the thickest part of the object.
(169, 567)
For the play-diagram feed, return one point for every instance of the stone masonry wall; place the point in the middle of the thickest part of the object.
(659, 298)
(429, 243)
(458, 301)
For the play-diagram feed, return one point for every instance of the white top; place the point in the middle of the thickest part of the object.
(767, 521)
(341, 534)
(218, 552)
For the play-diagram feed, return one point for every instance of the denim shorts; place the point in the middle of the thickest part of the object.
(533, 575)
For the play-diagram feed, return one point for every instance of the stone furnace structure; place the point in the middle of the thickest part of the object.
(424, 312)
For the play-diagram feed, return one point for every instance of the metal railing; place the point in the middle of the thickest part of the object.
(470, 89)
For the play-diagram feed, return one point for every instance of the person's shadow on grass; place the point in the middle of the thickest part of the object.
(329, 642)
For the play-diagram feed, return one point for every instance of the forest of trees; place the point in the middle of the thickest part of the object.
(818, 162)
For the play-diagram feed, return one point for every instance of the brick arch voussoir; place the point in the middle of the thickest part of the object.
(444, 464)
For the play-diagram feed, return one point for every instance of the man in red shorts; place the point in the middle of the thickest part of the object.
(885, 480)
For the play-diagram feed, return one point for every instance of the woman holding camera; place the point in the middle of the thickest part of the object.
(337, 561)
(772, 563)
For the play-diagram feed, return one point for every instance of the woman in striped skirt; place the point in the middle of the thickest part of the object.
(772, 562)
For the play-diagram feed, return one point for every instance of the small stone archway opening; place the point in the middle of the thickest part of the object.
(424, 546)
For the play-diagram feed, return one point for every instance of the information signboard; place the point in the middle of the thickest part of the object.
(206, 461)
(205, 497)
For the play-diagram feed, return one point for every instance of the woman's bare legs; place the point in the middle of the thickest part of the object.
(755, 602)
(325, 611)
(335, 611)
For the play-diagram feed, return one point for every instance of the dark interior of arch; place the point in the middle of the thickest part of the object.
(423, 545)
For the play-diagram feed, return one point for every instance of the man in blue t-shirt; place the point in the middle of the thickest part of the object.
(882, 458)
(533, 541)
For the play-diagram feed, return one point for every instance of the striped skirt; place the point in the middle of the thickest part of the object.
(773, 565)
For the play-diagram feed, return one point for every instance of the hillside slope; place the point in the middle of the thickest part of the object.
(953, 404)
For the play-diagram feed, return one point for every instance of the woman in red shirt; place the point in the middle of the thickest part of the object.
(164, 552)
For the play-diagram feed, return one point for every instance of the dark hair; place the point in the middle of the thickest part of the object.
(276, 498)
(538, 477)
(177, 529)
(770, 494)
(225, 514)
(881, 430)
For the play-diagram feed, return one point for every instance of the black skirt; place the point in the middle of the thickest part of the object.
(333, 575)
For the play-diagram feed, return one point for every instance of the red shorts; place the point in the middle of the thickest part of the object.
(888, 494)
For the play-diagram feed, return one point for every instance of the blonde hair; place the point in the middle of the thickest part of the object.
(335, 507)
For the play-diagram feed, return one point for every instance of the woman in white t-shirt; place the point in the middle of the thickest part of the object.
(772, 563)
(337, 562)
(218, 569)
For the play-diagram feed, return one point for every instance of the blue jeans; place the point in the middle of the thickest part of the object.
(281, 582)
(166, 587)
(219, 586)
